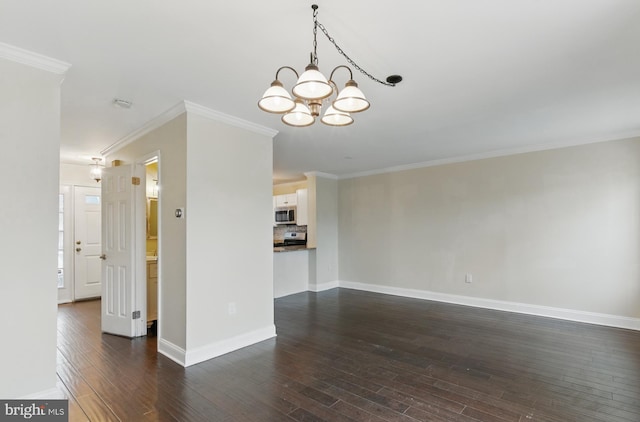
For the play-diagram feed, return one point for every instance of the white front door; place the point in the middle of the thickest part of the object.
(87, 242)
(118, 288)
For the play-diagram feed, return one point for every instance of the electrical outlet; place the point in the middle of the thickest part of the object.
(232, 308)
(468, 278)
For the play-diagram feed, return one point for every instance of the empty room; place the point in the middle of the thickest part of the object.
(321, 211)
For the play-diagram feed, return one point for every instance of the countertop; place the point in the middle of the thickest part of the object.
(291, 248)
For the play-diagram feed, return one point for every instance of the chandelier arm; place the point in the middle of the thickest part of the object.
(338, 67)
(334, 86)
(287, 67)
(349, 60)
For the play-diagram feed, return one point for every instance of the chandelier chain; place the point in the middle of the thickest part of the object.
(340, 50)
(314, 59)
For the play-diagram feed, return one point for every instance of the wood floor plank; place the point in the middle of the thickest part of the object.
(76, 414)
(345, 355)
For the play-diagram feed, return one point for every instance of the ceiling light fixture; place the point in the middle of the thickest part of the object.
(95, 169)
(312, 88)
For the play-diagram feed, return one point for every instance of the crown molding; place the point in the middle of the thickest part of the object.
(320, 174)
(293, 183)
(187, 107)
(32, 59)
(491, 154)
(208, 113)
(151, 125)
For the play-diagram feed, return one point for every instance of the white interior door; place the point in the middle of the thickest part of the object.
(118, 265)
(87, 242)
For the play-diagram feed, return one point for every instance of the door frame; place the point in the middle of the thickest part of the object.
(66, 294)
(141, 243)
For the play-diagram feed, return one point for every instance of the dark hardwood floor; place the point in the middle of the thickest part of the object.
(345, 355)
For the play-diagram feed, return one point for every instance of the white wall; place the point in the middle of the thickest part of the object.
(30, 138)
(170, 140)
(326, 254)
(291, 272)
(76, 175)
(229, 237)
(220, 254)
(557, 228)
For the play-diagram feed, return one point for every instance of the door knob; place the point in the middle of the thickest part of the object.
(103, 257)
(78, 249)
(78, 242)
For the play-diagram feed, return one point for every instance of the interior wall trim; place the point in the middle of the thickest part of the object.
(210, 351)
(186, 107)
(323, 286)
(492, 154)
(29, 58)
(322, 175)
(173, 352)
(608, 320)
(228, 119)
(151, 125)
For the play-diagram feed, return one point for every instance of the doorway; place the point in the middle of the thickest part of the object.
(79, 243)
(152, 243)
(131, 266)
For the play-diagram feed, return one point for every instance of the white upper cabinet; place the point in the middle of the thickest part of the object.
(287, 200)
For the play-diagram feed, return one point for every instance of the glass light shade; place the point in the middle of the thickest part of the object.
(300, 116)
(351, 99)
(333, 117)
(95, 169)
(312, 85)
(276, 99)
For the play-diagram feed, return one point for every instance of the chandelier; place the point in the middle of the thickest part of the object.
(313, 88)
(95, 169)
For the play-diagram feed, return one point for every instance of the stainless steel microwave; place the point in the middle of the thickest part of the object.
(285, 215)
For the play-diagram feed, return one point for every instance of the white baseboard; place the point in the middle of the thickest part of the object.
(288, 293)
(323, 286)
(50, 394)
(173, 352)
(223, 347)
(522, 308)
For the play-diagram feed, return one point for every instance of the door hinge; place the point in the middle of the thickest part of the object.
(135, 181)
(135, 315)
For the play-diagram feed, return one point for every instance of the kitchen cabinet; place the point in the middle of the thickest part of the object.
(287, 200)
(152, 292)
(302, 218)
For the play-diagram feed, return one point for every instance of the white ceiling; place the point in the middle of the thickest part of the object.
(480, 76)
